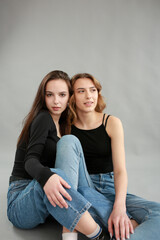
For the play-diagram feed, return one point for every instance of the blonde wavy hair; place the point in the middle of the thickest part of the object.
(72, 104)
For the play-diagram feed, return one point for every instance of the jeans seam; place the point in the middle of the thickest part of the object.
(19, 199)
(85, 208)
(146, 209)
(78, 150)
(16, 184)
(24, 194)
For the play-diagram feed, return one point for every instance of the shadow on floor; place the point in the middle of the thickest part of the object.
(51, 230)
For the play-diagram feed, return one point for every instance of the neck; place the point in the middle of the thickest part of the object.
(88, 120)
(55, 119)
(56, 122)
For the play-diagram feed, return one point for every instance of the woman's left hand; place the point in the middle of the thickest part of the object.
(121, 223)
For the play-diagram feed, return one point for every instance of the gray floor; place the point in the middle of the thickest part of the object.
(143, 181)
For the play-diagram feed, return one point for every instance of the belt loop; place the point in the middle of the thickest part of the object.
(100, 177)
(110, 175)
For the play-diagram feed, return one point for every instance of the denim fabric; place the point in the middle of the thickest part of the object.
(28, 205)
(99, 190)
(70, 159)
(146, 213)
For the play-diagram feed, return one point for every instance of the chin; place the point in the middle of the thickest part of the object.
(56, 113)
(89, 110)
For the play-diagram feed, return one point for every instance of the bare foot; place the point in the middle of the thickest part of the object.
(134, 223)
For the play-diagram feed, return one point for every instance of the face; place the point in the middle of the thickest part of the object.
(56, 96)
(86, 95)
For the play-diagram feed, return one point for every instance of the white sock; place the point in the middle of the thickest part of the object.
(96, 233)
(70, 236)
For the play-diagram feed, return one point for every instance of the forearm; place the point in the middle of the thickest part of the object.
(118, 218)
(120, 182)
(36, 170)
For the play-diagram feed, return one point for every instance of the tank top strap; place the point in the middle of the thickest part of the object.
(103, 118)
(105, 124)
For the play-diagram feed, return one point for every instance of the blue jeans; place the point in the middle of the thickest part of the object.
(28, 205)
(99, 190)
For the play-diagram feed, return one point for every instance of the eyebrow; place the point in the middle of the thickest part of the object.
(84, 88)
(59, 92)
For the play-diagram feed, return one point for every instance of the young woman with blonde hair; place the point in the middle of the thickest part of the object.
(102, 139)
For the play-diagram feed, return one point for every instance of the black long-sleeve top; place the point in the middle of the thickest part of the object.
(34, 159)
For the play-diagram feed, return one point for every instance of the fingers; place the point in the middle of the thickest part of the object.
(57, 200)
(54, 201)
(57, 197)
(51, 201)
(55, 191)
(110, 227)
(64, 183)
(122, 228)
(131, 228)
(65, 194)
(127, 230)
(117, 230)
(60, 201)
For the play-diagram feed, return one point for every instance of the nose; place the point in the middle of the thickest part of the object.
(88, 94)
(56, 100)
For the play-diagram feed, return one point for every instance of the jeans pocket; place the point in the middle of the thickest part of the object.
(18, 186)
(15, 188)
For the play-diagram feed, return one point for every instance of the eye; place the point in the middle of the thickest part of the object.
(93, 89)
(48, 94)
(81, 91)
(63, 94)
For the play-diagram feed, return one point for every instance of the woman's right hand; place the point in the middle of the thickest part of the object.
(55, 190)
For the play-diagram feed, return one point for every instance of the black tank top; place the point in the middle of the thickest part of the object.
(96, 146)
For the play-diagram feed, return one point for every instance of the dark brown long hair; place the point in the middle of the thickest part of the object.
(39, 104)
(100, 104)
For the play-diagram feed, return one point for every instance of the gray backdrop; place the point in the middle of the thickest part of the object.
(118, 41)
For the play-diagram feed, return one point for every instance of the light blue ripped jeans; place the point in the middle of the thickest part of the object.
(99, 190)
(28, 205)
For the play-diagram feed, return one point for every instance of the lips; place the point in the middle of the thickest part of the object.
(88, 104)
(55, 108)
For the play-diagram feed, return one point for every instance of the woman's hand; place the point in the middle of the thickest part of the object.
(121, 223)
(55, 190)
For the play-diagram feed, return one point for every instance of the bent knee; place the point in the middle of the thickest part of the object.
(61, 173)
(68, 140)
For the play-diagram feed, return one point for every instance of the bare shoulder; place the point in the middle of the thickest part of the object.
(112, 120)
(114, 126)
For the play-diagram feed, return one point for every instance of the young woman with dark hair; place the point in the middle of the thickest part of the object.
(37, 189)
